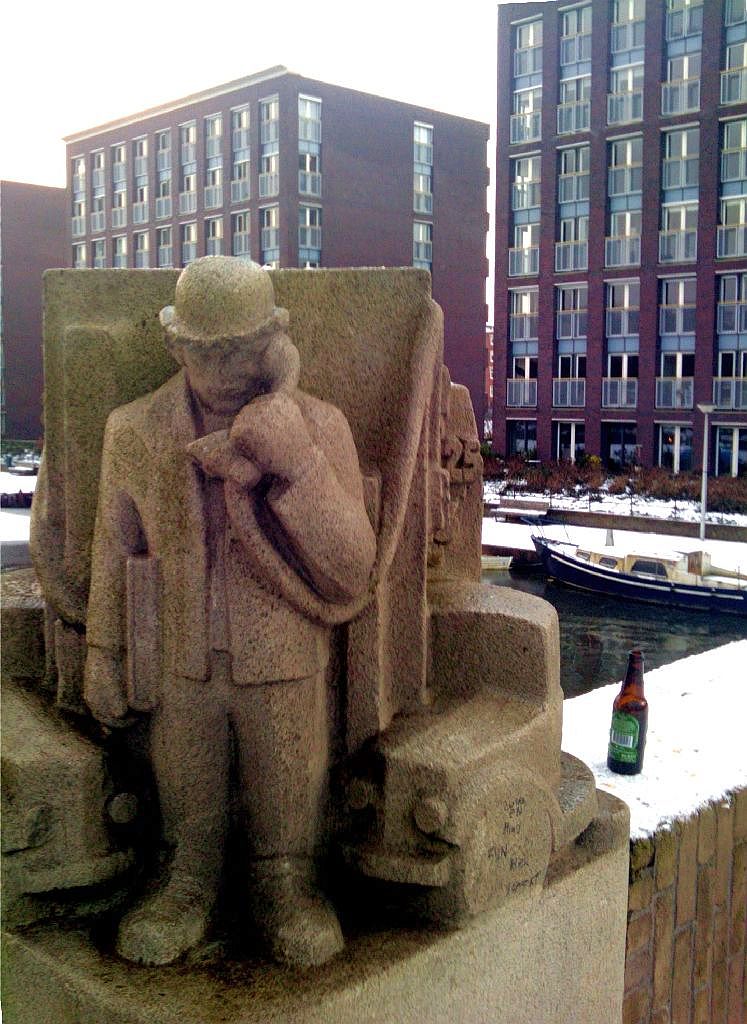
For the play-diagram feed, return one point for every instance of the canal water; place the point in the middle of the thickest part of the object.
(597, 632)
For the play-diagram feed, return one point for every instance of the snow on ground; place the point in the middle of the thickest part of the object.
(15, 524)
(725, 554)
(695, 749)
(12, 483)
(619, 505)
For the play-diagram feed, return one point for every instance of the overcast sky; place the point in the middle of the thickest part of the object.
(70, 66)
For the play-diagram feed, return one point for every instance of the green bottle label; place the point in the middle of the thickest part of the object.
(624, 737)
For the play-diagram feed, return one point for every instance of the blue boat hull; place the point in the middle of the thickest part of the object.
(595, 578)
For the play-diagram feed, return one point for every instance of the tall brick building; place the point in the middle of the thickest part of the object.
(621, 231)
(295, 173)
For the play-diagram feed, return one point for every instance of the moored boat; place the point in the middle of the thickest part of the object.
(681, 579)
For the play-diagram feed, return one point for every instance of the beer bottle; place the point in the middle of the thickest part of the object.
(629, 721)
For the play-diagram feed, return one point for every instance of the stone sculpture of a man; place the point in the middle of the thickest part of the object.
(241, 667)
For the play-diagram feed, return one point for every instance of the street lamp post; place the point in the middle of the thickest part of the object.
(706, 409)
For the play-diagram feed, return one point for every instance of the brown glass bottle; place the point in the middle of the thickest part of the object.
(629, 721)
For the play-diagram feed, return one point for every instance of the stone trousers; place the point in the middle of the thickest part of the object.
(279, 734)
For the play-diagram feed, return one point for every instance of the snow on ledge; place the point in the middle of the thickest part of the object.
(696, 750)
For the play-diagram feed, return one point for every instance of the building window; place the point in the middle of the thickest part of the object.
(528, 48)
(78, 220)
(422, 245)
(677, 314)
(731, 451)
(119, 186)
(269, 113)
(731, 234)
(78, 175)
(214, 236)
(622, 315)
(309, 235)
(625, 98)
(522, 438)
(309, 146)
(680, 167)
(572, 247)
(422, 168)
(119, 251)
(573, 177)
(213, 127)
(521, 385)
(240, 223)
(98, 253)
(213, 185)
(526, 119)
(674, 386)
(140, 157)
(165, 252)
(730, 384)
(163, 150)
(628, 27)
(269, 235)
(523, 257)
(675, 444)
(189, 243)
(309, 119)
(523, 319)
(678, 238)
(141, 245)
(575, 35)
(625, 175)
(240, 155)
(78, 180)
(98, 170)
(574, 108)
(680, 93)
(79, 256)
(620, 445)
(525, 183)
(734, 155)
(163, 196)
(568, 441)
(188, 167)
(571, 317)
(683, 18)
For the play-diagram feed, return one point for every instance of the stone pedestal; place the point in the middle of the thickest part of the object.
(554, 957)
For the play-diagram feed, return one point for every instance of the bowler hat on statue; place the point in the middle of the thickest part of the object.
(219, 298)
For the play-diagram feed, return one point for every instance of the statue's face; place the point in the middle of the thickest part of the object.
(223, 377)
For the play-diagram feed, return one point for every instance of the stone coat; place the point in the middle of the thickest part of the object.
(151, 500)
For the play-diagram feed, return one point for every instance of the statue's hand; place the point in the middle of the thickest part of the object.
(104, 688)
(270, 431)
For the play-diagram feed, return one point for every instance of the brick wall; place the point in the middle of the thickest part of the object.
(687, 908)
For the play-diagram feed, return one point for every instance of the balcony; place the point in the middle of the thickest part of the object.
(627, 35)
(731, 318)
(573, 188)
(139, 213)
(163, 207)
(573, 117)
(731, 240)
(571, 324)
(569, 392)
(624, 107)
(681, 97)
(687, 21)
(78, 226)
(622, 322)
(523, 327)
(571, 255)
(213, 196)
(98, 221)
(119, 217)
(521, 393)
(240, 190)
(575, 49)
(730, 393)
(527, 61)
(187, 202)
(622, 251)
(525, 196)
(310, 184)
(523, 262)
(674, 392)
(678, 246)
(269, 238)
(311, 238)
(680, 172)
(619, 392)
(734, 165)
(526, 127)
(734, 85)
(625, 180)
(269, 184)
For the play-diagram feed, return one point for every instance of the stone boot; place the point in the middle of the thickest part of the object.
(164, 926)
(297, 923)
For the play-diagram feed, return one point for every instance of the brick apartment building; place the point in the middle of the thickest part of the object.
(32, 239)
(293, 172)
(621, 231)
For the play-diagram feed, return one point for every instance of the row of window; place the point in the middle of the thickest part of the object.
(620, 446)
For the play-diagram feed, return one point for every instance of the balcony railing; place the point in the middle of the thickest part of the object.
(678, 246)
(687, 21)
(98, 177)
(213, 196)
(240, 139)
(269, 184)
(309, 129)
(141, 166)
(627, 35)
(734, 165)
(139, 213)
(527, 60)
(163, 207)
(526, 127)
(189, 252)
(165, 256)
(163, 160)
(142, 259)
(676, 320)
(79, 183)
(78, 226)
(187, 202)
(268, 131)
(731, 317)
(119, 217)
(241, 244)
(574, 49)
(624, 181)
(119, 260)
(731, 240)
(622, 251)
(734, 85)
(99, 261)
(569, 392)
(623, 107)
(573, 117)
(680, 172)
(622, 322)
(523, 261)
(521, 393)
(619, 392)
(269, 238)
(573, 188)
(119, 172)
(571, 323)
(311, 238)
(98, 221)
(730, 392)
(680, 97)
(310, 184)
(674, 392)
(525, 196)
(213, 146)
(213, 246)
(188, 152)
(571, 255)
(523, 327)
(240, 190)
